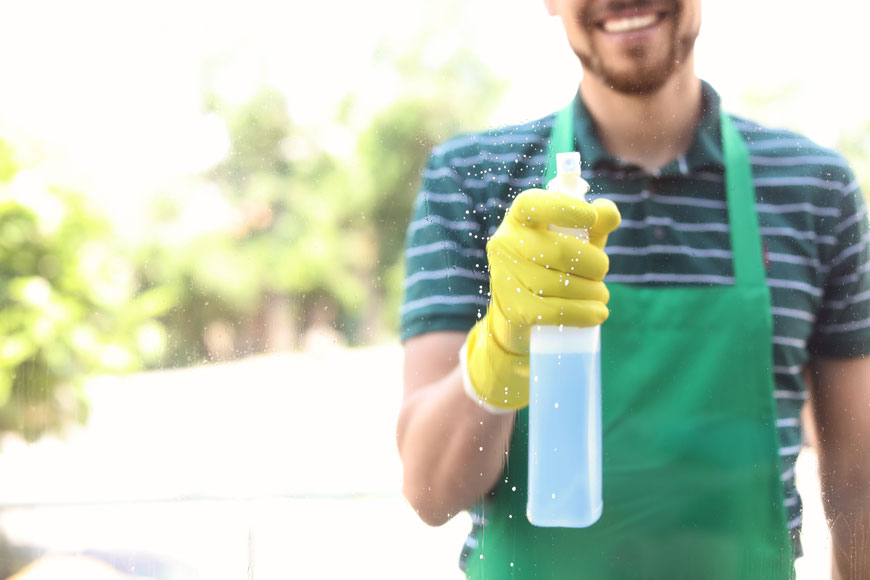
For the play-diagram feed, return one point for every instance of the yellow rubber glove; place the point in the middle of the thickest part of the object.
(537, 276)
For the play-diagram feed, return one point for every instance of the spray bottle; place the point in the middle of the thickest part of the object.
(565, 404)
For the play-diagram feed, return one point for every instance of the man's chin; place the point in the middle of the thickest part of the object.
(640, 73)
(634, 84)
(639, 81)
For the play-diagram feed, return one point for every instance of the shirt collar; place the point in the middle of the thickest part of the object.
(704, 154)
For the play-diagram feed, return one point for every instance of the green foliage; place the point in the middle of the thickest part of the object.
(440, 102)
(69, 306)
(316, 224)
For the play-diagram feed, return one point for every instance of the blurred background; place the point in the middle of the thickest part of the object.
(202, 214)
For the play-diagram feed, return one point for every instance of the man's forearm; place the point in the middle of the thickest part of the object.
(452, 450)
(848, 512)
(841, 407)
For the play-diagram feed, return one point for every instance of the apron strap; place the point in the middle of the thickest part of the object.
(746, 242)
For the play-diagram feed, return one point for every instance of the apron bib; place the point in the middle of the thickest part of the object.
(691, 468)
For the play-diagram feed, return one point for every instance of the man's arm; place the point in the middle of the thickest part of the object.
(841, 406)
(452, 450)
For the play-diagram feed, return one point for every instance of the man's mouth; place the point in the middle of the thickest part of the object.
(630, 23)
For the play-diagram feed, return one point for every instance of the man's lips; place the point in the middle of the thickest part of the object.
(621, 16)
(630, 22)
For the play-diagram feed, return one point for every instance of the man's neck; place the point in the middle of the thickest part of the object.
(648, 130)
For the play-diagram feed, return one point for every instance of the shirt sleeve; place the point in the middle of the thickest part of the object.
(446, 286)
(843, 325)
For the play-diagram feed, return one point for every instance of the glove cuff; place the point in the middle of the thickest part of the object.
(469, 387)
(497, 379)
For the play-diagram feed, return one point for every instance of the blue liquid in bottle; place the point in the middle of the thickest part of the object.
(565, 428)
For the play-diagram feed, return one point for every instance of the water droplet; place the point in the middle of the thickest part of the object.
(514, 488)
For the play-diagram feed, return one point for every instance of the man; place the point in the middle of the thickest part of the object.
(738, 281)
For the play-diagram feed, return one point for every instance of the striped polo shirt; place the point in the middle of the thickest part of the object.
(674, 231)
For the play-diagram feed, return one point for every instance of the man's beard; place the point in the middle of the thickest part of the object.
(646, 80)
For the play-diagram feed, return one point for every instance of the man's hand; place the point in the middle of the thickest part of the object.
(537, 277)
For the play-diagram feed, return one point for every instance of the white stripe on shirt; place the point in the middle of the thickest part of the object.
(860, 246)
(844, 225)
(430, 197)
(793, 450)
(795, 285)
(447, 300)
(663, 249)
(673, 278)
(441, 172)
(788, 371)
(678, 226)
(797, 160)
(844, 327)
(501, 158)
(441, 246)
(761, 182)
(853, 277)
(793, 259)
(791, 395)
(796, 234)
(792, 313)
(841, 304)
(510, 180)
(768, 144)
(443, 274)
(507, 139)
(666, 199)
(435, 220)
(802, 207)
(788, 341)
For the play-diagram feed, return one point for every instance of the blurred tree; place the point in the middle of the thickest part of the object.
(280, 248)
(438, 102)
(301, 228)
(69, 303)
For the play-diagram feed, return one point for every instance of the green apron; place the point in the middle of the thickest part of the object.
(691, 468)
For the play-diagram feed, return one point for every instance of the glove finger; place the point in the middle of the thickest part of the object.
(608, 219)
(538, 248)
(540, 208)
(579, 313)
(545, 282)
(510, 325)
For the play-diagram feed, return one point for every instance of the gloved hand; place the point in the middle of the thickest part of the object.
(537, 276)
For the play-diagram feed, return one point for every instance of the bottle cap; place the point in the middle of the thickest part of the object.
(567, 163)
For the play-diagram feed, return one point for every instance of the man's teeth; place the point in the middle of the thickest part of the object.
(630, 23)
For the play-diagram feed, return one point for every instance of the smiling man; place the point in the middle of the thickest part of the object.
(736, 285)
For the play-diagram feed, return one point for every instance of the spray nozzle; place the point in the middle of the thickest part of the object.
(568, 163)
